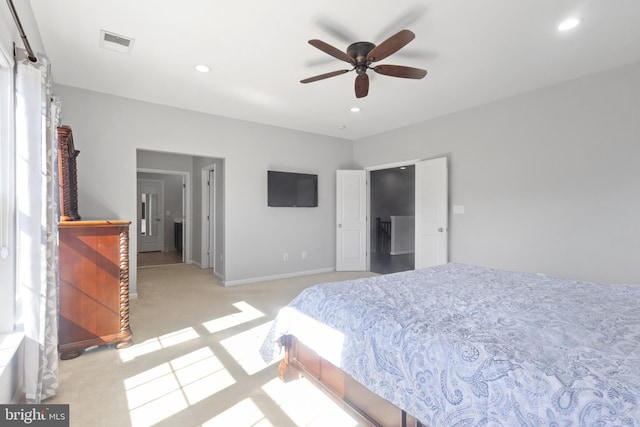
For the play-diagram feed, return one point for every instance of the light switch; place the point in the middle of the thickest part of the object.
(458, 210)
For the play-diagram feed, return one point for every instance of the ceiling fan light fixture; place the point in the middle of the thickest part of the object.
(361, 55)
(568, 24)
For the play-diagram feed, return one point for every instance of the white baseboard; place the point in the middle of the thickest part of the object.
(277, 277)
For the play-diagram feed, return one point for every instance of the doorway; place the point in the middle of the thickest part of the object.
(431, 216)
(161, 222)
(392, 224)
(150, 216)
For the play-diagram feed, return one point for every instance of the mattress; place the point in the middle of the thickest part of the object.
(459, 345)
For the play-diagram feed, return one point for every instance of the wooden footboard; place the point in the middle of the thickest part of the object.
(370, 408)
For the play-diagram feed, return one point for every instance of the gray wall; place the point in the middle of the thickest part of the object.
(550, 180)
(108, 130)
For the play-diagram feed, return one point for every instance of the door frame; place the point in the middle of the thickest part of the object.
(186, 200)
(208, 240)
(369, 169)
(392, 165)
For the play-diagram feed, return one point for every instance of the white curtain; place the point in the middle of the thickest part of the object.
(37, 117)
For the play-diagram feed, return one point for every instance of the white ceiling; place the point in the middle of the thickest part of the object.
(475, 52)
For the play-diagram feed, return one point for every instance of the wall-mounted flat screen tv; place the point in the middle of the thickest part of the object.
(288, 189)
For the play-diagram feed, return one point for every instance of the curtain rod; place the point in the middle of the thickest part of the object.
(23, 36)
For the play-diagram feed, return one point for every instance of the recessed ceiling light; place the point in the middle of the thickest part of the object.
(202, 68)
(568, 24)
(355, 109)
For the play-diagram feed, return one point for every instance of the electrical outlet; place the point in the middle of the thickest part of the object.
(304, 254)
(285, 256)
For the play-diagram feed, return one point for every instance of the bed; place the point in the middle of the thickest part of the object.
(462, 345)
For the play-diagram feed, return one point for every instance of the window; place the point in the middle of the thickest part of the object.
(7, 197)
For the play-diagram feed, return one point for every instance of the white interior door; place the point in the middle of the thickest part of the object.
(211, 235)
(208, 223)
(150, 215)
(351, 220)
(432, 213)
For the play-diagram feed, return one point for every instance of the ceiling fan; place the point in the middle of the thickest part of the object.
(361, 55)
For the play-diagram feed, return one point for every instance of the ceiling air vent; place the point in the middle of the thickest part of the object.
(115, 42)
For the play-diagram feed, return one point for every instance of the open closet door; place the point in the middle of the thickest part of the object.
(351, 220)
(432, 213)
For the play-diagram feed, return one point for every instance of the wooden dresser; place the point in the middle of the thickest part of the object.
(93, 268)
(94, 285)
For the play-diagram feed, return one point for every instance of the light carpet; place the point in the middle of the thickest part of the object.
(195, 359)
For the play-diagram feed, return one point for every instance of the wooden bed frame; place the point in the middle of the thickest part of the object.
(368, 407)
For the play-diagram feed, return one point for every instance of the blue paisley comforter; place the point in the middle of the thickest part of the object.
(459, 345)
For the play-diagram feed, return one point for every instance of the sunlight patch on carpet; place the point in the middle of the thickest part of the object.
(306, 405)
(244, 348)
(155, 344)
(246, 314)
(171, 387)
(243, 414)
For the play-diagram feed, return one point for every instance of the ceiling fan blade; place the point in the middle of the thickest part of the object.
(324, 76)
(391, 45)
(335, 52)
(400, 71)
(362, 85)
